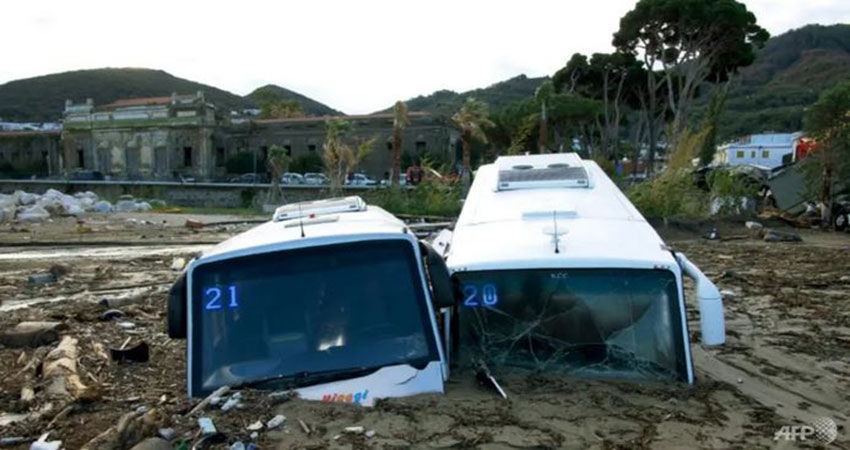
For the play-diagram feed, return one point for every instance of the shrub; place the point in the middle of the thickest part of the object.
(428, 198)
(671, 195)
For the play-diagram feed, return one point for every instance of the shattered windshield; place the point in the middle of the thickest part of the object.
(318, 309)
(615, 323)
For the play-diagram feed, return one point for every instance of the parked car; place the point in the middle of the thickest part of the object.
(360, 179)
(87, 175)
(292, 178)
(315, 178)
(249, 178)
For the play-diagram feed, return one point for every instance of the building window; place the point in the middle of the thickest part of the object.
(765, 154)
(739, 154)
(311, 147)
(219, 157)
(81, 158)
(288, 149)
(265, 150)
(753, 154)
(420, 146)
(187, 156)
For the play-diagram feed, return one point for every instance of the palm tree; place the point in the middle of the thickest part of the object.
(278, 162)
(471, 119)
(400, 122)
(339, 156)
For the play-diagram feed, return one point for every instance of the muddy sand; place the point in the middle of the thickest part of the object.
(786, 361)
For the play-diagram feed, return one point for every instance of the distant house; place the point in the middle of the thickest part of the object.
(767, 150)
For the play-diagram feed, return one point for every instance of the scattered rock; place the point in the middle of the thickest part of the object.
(32, 334)
(154, 443)
(178, 264)
(234, 401)
(35, 213)
(38, 279)
(275, 421)
(103, 207)
(167, 433)
(207, 426)
(771, 235)
(59, 270)
(43, 444)
(753, 225)
(194, 224)
(11, 440)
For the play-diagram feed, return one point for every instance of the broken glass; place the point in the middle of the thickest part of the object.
(612, 323)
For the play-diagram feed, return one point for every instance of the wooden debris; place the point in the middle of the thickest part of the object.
(217, 393)
(32, 334)
(304, 426)
(61, 374)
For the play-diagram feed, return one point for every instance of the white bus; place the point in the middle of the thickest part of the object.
(559, 272)
(334, 299)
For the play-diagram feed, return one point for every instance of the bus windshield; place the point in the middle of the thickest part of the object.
(311, 310)
(613, 323)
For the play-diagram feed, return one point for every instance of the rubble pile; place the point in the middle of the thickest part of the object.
(96, 370)
(28, 207)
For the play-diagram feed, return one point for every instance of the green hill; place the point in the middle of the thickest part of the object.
(43, 98)
(787, 76)
(311, 107)
(497, 96)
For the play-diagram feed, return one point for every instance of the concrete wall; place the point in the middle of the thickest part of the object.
(194, 194)
(150, 153)
(35, 152)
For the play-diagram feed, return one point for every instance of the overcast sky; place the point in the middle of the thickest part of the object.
(357, 56)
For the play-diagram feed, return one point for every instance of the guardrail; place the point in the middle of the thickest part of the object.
(178, 183)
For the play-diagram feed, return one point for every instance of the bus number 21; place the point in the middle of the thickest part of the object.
(213, 298)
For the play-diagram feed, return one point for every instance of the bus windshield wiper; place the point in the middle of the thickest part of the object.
(303, 379)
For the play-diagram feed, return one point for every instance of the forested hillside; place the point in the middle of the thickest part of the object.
(497, 96)
(788, 75)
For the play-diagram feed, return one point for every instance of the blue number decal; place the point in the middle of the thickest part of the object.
(469, 294)
(233, 302)
(490, 295)
(213, 298)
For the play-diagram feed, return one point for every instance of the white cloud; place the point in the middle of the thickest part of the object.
(355, 56)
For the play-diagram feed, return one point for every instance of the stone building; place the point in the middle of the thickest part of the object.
(29, 152)
(426, 134)
(140, 138)
(166, 138)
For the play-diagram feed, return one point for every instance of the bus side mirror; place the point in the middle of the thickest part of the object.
(177, 309)
(442, 289)
(711, 318)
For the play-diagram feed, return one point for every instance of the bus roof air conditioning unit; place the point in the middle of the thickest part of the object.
(541, 171)
(319, 208)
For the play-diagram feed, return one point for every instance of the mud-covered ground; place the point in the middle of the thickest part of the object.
(786, 361)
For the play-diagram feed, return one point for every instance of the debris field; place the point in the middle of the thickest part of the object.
(86, 358)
